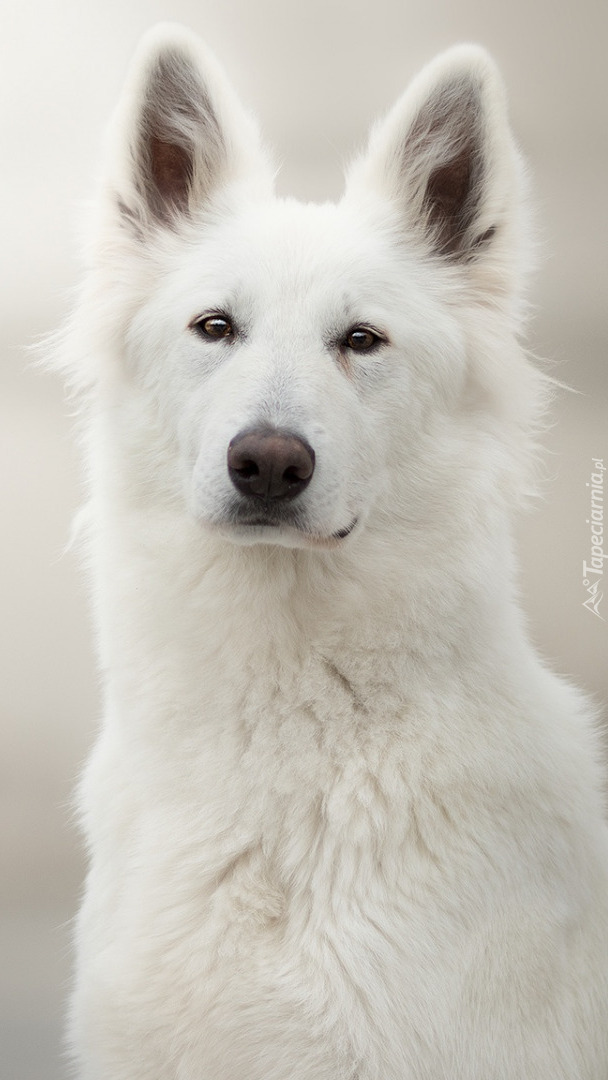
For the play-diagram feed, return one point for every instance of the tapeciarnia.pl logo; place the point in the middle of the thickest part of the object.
(593, 571)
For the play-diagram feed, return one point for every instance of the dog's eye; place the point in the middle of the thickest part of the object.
(362, 339)
(212, 326)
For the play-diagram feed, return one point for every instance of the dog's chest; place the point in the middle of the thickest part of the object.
(289, 864)
(304, 917)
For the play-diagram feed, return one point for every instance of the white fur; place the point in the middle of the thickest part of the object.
(343, 824)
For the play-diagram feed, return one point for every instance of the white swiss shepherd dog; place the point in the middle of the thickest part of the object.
(343, 823)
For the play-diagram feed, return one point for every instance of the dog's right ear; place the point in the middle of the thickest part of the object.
(180, 134)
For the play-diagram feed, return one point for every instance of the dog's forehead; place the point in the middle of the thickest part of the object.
(283, 247)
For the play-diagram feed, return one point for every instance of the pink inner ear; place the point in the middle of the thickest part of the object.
(444, 152)
(450, 197)
(179, 141)
(171, 174)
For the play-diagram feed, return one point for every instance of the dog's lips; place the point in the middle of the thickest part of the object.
(311, 538)
(343, 533)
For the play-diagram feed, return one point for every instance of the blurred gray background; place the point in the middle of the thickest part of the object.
(317, 73)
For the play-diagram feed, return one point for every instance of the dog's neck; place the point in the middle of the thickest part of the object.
(199, 607)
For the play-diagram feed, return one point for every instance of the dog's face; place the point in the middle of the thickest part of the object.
(300, 358)
(286, 335)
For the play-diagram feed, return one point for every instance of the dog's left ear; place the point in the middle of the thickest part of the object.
(445, 157)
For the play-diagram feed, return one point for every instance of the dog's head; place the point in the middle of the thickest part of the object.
(291, 373)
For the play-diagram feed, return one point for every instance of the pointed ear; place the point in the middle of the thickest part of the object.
(445, 157)
(180, 133)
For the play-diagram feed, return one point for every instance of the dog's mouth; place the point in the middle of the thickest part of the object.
(284, 531)
(343, 533)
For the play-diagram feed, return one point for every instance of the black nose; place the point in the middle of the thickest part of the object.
(267, 463)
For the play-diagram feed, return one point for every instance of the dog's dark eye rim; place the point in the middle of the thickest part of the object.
(217, 326)
(363, 339)
(214, 325)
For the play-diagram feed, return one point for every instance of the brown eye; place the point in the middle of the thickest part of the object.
(362, 339)
(213, 326)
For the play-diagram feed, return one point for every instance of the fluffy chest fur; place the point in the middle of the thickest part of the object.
(335, 857)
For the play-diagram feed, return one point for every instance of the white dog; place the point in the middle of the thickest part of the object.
(343, 823)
